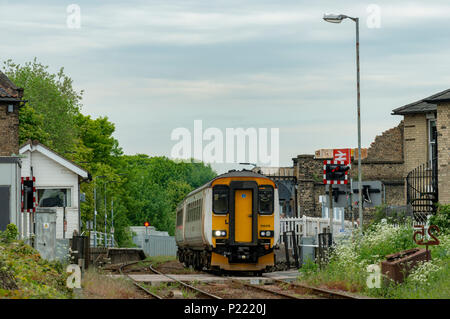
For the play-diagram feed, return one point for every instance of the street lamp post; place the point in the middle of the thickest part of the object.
(333, 18)
(106, 216)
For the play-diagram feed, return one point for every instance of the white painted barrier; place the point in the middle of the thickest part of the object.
(306, 226)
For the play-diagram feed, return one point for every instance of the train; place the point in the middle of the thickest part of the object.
(229, 224)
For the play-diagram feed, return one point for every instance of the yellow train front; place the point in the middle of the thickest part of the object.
(230, 223)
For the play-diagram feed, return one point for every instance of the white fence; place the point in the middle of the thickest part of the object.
(99, 239)
(310, 227)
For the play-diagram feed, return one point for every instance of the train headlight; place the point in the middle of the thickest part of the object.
(219, 233)
(266, 233)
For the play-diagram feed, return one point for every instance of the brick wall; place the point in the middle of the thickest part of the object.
(387, 146)
(9, 128)
(384, 162)
(416, 141)
(443, 128)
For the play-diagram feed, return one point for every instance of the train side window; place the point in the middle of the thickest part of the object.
(220, 199)
(179, 217)
(265, 199)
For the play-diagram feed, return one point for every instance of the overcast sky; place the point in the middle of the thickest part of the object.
(153, 66)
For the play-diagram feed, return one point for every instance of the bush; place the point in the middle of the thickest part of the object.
(442, 218)
(27, 274)
(347, 268)
(9, 234)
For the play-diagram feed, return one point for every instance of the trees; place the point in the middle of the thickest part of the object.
(144, 188)
(155, 185)
(54, 101)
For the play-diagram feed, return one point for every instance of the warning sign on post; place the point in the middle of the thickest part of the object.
(342, 154)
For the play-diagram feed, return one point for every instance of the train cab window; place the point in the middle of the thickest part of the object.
(220, 199)
(265, 199)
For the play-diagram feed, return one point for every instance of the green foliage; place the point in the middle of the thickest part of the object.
(31, 125)
(54, 101)
(394, 217)
(33, 276)
(96, 136)
(347, 268)
(9, 234)
(309, 267)
(142, 187)
(442, 218)
(156, 185)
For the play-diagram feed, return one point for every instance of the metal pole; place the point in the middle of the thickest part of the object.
(351, 204)
(330, 207)
(112, 222)
(359, 128)
(95, 216)
(106, 238)
(64, 217)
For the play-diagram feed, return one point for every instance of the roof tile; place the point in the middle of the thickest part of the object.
(425, 105)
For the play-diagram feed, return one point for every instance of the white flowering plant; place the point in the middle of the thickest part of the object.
(347, 267)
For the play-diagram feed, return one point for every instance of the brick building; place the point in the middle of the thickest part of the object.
(10, 100)
(412, 160)
(427, 151)
(384, 162)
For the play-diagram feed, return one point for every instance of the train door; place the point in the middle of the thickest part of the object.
(243, 199)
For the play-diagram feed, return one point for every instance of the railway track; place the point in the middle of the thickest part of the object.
(136, 283)
(266, 289)
(196, 290)
(186, 285)
(278, 288)
(329, 294)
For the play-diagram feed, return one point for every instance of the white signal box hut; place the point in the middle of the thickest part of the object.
(55, 183)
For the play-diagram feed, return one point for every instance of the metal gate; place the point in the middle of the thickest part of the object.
(422, 190)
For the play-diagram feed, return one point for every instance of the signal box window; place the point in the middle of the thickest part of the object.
(265, 200)
(54, 197)
(220, 199)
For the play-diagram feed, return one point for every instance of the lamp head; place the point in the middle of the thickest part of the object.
(334, 18)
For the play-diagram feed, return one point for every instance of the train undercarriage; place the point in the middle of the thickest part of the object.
(236, 258)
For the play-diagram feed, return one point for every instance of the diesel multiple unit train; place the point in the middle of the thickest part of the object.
(230, 223)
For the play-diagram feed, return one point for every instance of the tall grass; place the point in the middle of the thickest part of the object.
(99, 286)
(347, 268)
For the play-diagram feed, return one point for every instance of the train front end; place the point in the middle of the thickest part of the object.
(244, 222)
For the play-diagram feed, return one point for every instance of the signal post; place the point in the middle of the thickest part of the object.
(336, 172)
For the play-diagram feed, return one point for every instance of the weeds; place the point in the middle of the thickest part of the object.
(99, 286)
(347, 268)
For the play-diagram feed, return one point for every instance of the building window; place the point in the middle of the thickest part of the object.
(432, 134)
(54, 197)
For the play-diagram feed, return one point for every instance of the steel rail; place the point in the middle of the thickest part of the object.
(185, 284)
(265, 289)
(322, 291)
(136, 283)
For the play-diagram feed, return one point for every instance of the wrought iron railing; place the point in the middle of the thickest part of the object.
(422, 190)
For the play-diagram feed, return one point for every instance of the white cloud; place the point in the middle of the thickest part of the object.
(304, 66)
